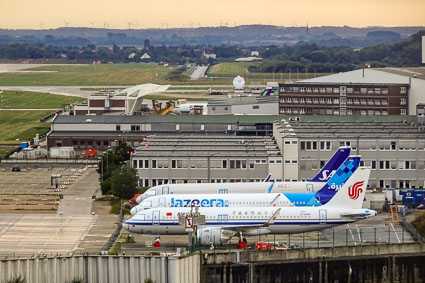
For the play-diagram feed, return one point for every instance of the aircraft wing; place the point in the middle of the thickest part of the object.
(275, 200)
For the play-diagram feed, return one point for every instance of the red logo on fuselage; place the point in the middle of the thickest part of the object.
(355, 190)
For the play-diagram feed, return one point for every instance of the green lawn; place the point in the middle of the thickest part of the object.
(75, 75)
(231, 69)
(22, 125)
(34, 100)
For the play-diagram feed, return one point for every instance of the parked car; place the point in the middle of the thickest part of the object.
(16, 168)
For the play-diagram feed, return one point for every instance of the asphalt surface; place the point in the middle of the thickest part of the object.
(199, 72)
(61, 233)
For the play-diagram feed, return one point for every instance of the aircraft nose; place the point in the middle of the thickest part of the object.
(139, 199)
(133, 211)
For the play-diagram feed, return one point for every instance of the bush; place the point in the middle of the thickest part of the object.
(419, 223)
(18, 279)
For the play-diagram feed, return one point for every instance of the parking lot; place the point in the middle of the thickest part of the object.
(70, 228)
(37, 180)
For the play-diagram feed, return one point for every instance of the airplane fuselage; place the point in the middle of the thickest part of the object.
(289, 220)
(232, 188)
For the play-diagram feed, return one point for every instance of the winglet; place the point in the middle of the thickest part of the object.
(273, 218)
(269, 190)
(267, 179)
(274, 201)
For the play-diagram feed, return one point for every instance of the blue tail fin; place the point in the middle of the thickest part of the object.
(333, 164)
(267, 179)
(338, 179)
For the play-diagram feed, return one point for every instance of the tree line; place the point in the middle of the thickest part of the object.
(300, 57)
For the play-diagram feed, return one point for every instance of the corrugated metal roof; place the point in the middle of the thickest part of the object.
(361, 76)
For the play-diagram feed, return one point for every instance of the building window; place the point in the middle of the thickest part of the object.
(154, 164)
(118, 127)
(325, 145)
(105, 143)
(135, 127)
(403, 89)
(255, 107)
(308, 145)
(402, 101)
(344, 143)
(403, 111)
(224, 164)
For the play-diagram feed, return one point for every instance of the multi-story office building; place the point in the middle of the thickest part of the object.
(394, 148)
(386, 91)
(200, 159)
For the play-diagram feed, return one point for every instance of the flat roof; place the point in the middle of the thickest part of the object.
(354, 129)
(214, 119)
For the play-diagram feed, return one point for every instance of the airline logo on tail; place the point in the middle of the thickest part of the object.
(332, 165)
(326, 175)
(355, 190)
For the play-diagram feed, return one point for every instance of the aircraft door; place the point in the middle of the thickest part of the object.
(310, 188)
(155, 218)
(162, 202)
(165, 190)
(323, 216)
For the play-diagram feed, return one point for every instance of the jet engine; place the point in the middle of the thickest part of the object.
(214, 235)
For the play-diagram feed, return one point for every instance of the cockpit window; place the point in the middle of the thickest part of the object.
(150, 192)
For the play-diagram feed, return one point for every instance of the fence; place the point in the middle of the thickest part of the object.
(93, 269)
(116, 233)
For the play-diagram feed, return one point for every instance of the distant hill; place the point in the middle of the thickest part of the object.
(247, 35)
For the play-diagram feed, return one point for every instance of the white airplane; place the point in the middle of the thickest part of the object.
(255, 199)
(189, 108)
(221, 224)
(333, 164)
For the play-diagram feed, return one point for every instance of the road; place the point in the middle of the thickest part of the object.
(199, 72)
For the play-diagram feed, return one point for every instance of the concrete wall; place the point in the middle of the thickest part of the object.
(416, 94)
(100, 269)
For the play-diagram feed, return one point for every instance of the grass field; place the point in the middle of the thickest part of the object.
(75, 75)
(22, 125)
(132, 74)
(34, 100)
(232, 69)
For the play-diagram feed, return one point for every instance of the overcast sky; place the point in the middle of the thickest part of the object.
(45, 14)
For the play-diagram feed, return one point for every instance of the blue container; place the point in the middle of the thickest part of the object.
(24, 145)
